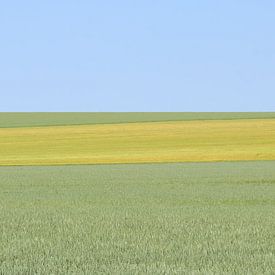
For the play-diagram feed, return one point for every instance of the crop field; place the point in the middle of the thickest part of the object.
(177, 141)
(8, 120)
(203, 218)
(152, 193)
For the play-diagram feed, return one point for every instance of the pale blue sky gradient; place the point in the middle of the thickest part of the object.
(143, 55)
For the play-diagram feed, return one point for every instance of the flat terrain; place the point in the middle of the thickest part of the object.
(179, 193)
(8, 120)
(204, 218)
(176, 141)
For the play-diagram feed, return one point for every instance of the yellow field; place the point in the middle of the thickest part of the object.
(183, 141)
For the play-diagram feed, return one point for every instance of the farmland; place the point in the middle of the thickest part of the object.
(176, 141)
(8, 120)
(147, 218)
(152, 193)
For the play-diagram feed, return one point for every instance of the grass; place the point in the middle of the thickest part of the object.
(180, 141)
(204, 218)
(8, 120)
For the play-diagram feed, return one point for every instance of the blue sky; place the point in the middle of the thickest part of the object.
(140, 55)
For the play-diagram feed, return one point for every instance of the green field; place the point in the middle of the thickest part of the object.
(8, 120)
(207, 218)
(206, 205)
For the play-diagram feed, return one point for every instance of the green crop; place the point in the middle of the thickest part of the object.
(8, 120)
(204, 218)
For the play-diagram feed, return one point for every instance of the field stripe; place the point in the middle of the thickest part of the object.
(14, 120)
(184, 141)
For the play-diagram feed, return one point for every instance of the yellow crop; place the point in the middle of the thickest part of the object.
(183, 141)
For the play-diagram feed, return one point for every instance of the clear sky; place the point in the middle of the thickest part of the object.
(144, 55)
